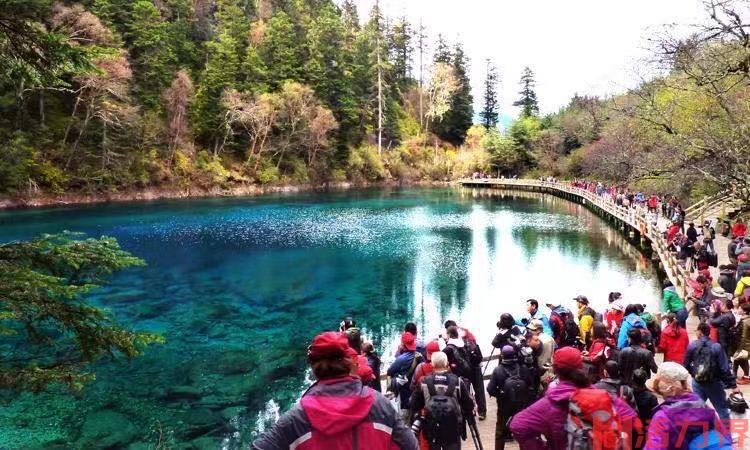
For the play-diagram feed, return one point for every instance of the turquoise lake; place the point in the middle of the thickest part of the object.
(239, 286)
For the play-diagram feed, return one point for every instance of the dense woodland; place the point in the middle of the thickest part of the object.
(103, 95)
(113, 95)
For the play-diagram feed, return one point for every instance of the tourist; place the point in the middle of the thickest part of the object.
(337, 408)
(674, 340)
(645, 400)
(739, 229)
(742, 354)
(547, 343)
(565, 330)
(512, 384)
(443, 432)
(691, 233)
(475, 359)
(401, 371)
(724, 320)
(708, 365)
(672, 303)
(612, 383)
(728, 278)
(507, 333)
(425, 368)
(586, 318)
(542, 425)
(532, 312)
(732, 249)
(599, 352)
(743, 265)
(368, 350)
(703, 258)
(635, 356)
(682, 421)
(411, 327)
(631, 321)
(742, 288)
(455, 349)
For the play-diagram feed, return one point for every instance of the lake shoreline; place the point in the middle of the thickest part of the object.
(171, 193)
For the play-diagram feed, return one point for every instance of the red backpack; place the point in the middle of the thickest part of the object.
(592, 421)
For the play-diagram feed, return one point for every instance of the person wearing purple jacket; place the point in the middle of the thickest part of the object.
(683, 417)
(548, 415)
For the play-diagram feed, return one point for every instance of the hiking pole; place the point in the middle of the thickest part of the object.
(475, 436)
(488, 362)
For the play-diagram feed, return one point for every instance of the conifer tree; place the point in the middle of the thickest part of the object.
(489, 112)
(459, 118)
(401, 49)
(528, 101)
(280, 51)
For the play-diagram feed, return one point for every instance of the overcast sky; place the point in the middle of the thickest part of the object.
(573, 46)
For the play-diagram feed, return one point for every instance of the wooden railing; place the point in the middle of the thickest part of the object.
(636, 217)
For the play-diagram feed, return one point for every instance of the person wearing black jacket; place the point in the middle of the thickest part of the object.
(512, 384)
(508, 333)
(635, 357)
(724, 321)
(441, 378)
(691, 233)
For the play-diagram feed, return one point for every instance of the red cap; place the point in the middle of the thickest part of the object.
(567, 358)
(328, 345)
(408, 341)
(431, 348)
(742, 257)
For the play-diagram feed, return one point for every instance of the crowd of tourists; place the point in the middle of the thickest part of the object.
(556, 374)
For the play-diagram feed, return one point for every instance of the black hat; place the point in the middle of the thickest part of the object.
(582, 299)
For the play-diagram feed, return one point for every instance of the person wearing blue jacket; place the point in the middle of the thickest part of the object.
(631, 320)
(532, 308)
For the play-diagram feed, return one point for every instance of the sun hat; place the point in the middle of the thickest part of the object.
(328, 345)
(567, 358)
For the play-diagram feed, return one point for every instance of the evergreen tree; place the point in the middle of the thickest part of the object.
(528, 101)
(280, 51)
(401, 50)
(489, 113)
(442, 51)
(460, 117)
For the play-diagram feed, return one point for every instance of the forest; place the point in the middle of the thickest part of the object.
(118, 95)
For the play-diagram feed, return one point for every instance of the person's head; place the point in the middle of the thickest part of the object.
(355, 339)
(614, 296)
(439, 362)
(536, 326)
(703, 330)
(411, 327)
(634, 336)
(582, 300)
(452, 332)
(728, 305)
(697, 245)
(599, 330)
(347, 323)
(671, 318)
(746, 308)
(506, 321)
(671, 380)
(640, 377)
(700, 279)
(508, 353)
(408, 342)
(368, 348)
(534, 342)
(746, 273)
(612, 369)
(567, 365)
(431, 348)
(449, 323)
(329, 356)
(666, 283)
(631, 309)
(532, 306)
(691, 224)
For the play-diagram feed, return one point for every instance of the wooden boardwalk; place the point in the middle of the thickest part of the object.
(633, 222)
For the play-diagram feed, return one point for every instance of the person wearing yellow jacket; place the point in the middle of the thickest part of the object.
(586, 317)
(742, 291)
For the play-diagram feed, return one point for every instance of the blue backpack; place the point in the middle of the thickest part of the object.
(713, 440)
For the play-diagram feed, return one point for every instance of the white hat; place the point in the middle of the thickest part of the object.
(671, 371)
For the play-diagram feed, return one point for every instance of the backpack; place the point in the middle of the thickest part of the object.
(570, 331)
(515, 392)
(473, 352)
(713, 440)
(592, 421)
(703, 366)
(457, 358)
(443, 418)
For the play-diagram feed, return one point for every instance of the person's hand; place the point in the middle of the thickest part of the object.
(585, 353)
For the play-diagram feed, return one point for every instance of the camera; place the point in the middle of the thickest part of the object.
(416, 426)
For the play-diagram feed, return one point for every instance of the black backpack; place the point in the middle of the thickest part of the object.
(443, 418)
(473, 352)
(457, 358)
(703, 365)
(515, 393)
(571, 331)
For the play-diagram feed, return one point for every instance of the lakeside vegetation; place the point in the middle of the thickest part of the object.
(103, 96)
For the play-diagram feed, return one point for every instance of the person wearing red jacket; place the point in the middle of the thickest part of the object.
(739, 229)
(674, 340)
(337, 412)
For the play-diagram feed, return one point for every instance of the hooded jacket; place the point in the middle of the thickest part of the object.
(547, 417)
(669, 430)
(631, 321)
(674, 341)
(339, 414)
(671, 301)
(739, 289)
